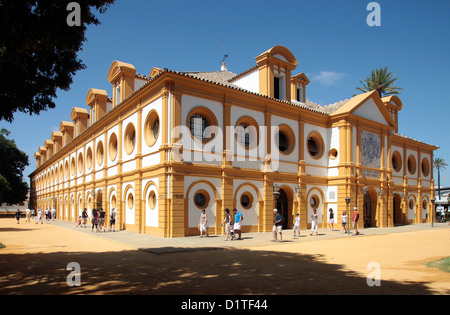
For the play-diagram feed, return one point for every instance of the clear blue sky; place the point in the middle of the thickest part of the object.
(331, 40)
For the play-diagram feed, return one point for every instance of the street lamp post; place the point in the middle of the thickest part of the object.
(347, 200)
(433, 212)
(276, 195)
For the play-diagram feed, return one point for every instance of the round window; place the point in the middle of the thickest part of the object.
(151, 129)
(130, 138)
(89, 158)
(316, 145)
(247, 134)
(424, 204)
(333, 153)
(314, 202)
(202, 124)
(285, 139)
(80, 162)
(396, 161)
(201, 199)
(425, 167)
(152, 200)
(246, 200)
(66, 169)
(112, 147)
(412, 164)
(72, 167)
(100, 153)
(113, 202)
(130, 201)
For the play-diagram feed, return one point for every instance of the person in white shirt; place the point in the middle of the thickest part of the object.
(297, 225)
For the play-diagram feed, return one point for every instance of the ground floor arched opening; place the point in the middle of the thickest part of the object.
(397, 202)
(370, 208)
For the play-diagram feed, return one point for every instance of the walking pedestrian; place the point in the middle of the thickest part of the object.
(203, 222)
(94, 219)
(277, 225)
(28, 214)
(112, 220)
(238, 217)
(18, 215)
(297, 225)
(227, 221)
(39, 216)
(79, 221)
(344, 218)
(331, 219)
(355, 218)
(101, 223)
(314, 222)
(84, 216)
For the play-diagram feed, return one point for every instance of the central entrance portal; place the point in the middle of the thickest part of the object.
(370, 208)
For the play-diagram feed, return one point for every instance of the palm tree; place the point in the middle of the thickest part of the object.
(439, 164)
(382, 81)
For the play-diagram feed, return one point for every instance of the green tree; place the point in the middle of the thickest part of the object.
(38, 51)
(382, 81)
(439, 164)
(12, 164)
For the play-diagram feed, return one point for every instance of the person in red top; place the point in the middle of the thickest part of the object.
(355, 218)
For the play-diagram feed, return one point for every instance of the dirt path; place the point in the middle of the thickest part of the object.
(36, 256)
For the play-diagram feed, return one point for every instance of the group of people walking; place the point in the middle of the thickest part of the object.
(98, 219)
(233, 227)
(50, 214)
(278, 219)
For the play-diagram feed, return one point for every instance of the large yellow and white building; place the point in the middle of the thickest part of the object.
(164, 146)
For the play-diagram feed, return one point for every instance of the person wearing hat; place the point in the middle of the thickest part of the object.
(277, 225)
(355, 218)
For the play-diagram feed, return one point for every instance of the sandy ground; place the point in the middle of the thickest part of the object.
(36, 257)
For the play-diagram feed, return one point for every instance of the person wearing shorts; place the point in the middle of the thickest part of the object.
(227, 221)
(238, 217)
(314, 222)
(344, 218)
(277, 225)
(112, 220)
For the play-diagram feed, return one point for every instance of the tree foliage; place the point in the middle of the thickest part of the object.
(382, 81)
(439, 164)
(38, 51)
(12, 164)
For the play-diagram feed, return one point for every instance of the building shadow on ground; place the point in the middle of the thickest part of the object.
(199, 272)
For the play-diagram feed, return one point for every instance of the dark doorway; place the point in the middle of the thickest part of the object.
(397, 209)
(370, 208)
(98, 203)
(367, 211)
(282, 207)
